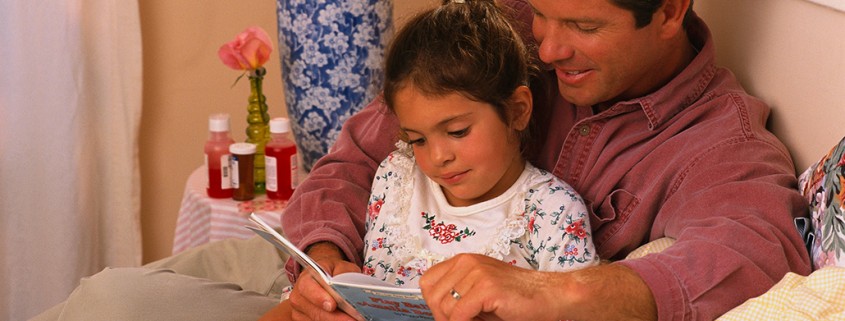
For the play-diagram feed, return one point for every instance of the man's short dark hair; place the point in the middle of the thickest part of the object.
(643, 10)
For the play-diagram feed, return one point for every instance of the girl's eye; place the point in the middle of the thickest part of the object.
(416, 142)
(459, 133)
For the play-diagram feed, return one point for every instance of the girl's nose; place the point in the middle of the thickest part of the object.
(440, 153)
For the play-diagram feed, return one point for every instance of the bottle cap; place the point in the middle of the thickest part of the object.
(218, 122)
(279, 125)
(242, 148)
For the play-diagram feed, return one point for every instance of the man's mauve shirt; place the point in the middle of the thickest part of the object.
(692, 161)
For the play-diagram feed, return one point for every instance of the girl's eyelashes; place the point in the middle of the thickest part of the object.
(459, 133)
(417, 142)
(456, 134)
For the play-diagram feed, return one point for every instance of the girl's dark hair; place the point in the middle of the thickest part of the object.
(468, 47)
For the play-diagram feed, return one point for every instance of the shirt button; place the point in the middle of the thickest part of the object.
(584, 130)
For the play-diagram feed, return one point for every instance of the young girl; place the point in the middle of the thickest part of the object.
(456, 78)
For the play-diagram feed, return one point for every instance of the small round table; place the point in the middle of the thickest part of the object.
(203, 219)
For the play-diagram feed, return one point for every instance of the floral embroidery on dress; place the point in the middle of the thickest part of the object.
(576, 229)
(443, 232)
(374, 207)
(529, 229)
(381, 243)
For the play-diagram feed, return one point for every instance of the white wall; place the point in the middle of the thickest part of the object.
(790, 53)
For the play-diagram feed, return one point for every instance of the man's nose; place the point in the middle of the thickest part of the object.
(554, 43)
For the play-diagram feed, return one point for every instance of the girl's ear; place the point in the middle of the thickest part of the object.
(520, 108)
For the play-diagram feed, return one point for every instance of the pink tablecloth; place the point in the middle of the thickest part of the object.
(203, 219)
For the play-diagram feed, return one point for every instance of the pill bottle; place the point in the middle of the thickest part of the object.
(218, 183)
(280, 161)
(243, 171)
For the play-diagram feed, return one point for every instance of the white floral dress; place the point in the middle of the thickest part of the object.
(539, 223)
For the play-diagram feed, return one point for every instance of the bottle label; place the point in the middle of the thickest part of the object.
(234, 172)
(270, 168)
(294, 172)
(225, 179)
(207, 180)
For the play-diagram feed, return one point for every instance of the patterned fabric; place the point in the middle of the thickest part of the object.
(331, 54)
(203, 219)
(823, 185)
(819, 296)
(539, 223)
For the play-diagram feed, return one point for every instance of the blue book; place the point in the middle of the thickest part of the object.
(359, 295)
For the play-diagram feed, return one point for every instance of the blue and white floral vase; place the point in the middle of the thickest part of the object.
(331, 55)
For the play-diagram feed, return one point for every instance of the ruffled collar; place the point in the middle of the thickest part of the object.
(409, 248)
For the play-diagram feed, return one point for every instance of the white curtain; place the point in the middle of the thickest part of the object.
(70, 109)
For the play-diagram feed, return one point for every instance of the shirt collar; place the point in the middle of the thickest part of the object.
(687, 87)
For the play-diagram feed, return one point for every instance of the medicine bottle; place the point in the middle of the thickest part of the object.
(243, 171)
(280, 161)
(218, 179)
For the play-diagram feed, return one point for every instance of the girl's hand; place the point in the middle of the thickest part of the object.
(309, 301)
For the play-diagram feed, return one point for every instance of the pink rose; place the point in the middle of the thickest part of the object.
(250, 50)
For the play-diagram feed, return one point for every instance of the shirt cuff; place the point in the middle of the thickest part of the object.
(665, 286)
(293, 269)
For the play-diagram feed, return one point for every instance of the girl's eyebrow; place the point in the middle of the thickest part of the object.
(441, 123)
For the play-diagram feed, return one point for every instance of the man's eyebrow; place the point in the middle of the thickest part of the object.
(564, 20)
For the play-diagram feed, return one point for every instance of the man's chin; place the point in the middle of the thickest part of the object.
(576, 96)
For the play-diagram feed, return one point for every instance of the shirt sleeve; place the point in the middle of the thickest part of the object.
(733, 211)
(330, 204)
(560, 238)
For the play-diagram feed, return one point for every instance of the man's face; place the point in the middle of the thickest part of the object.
(598, 54)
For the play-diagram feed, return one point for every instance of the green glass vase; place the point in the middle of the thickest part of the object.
(257, 132)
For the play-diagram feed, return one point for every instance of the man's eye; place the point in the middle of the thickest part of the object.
(585, 27)
(459, 133)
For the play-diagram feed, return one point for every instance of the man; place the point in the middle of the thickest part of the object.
(658, 140)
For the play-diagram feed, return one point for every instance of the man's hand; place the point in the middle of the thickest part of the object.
(493, 290)
(309, 301)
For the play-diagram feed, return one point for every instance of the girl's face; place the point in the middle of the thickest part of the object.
(461, 144)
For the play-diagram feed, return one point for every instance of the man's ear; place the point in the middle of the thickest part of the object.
(521, 104)
(671, 17)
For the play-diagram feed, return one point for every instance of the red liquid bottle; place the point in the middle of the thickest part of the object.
(218, 179)
(280, 162)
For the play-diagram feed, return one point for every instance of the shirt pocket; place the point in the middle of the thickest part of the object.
(610, 215)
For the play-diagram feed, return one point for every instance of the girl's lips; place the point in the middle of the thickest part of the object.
(453, 178)
(572, 77)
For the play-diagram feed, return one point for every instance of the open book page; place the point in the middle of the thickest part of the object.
(359, 295)
(324, 279)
